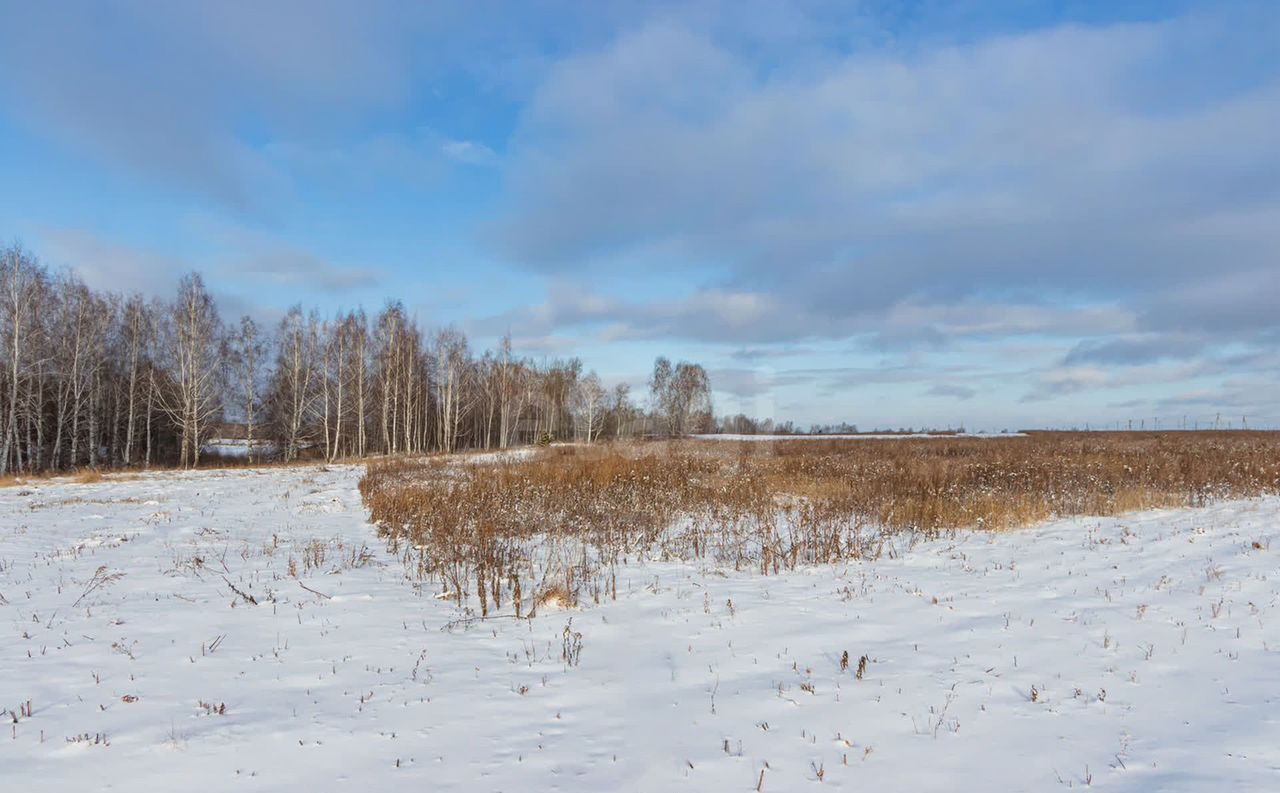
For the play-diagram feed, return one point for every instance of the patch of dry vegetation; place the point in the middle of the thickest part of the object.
(80, 476)
(567, 516)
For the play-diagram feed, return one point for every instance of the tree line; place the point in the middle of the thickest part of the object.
(99, 379)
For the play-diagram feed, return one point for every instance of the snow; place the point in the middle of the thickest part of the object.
(1151, 641)
(237, 448)
(504, 456)
(872, 436)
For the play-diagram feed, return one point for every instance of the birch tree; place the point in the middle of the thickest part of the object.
(191, 341)
(137, 332)
(294, 389)
(22, 281)
(589, 405)
(681, 396)
(246, 357)
(451, 386)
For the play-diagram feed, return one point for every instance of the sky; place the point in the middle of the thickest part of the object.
(998, 214)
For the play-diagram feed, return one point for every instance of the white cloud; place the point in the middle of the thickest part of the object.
(1055, 164)
(1065, 381)
(112, 266)
(469, 152)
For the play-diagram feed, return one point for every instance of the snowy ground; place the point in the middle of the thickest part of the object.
(1139, 653)
(869, 436)
(238, 448)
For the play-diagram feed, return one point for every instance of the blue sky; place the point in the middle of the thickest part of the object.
(998, 213)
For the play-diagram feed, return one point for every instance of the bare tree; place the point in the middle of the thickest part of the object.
(401, 381)
(137, 333)
(622, 413)
(79, 358)
(22, 281)
(452, 381)
(88, 377)
(193, 402)
(246, 355)
(294, 389)
(589, 405)
(505, 384)
(358, 330)
(681, 396)
(558, 383)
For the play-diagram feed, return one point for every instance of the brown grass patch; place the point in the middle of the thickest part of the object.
(555, 597)
(569, 515)
(80, 476)
(87, 476)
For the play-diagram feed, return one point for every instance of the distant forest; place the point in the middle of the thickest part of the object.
(105, 380)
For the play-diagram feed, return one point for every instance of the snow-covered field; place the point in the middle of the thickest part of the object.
(156, 630)
(868, 436)
(238, 448)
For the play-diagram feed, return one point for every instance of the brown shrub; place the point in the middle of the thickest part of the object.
(87, 476)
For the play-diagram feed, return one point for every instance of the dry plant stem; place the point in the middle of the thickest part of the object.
(101, 578)
(315, 591)
(250, 599)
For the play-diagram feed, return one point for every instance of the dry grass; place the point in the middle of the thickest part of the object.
(89, 475)
(569, 515)
(80, 476)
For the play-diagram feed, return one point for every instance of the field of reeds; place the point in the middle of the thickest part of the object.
(555, 526)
